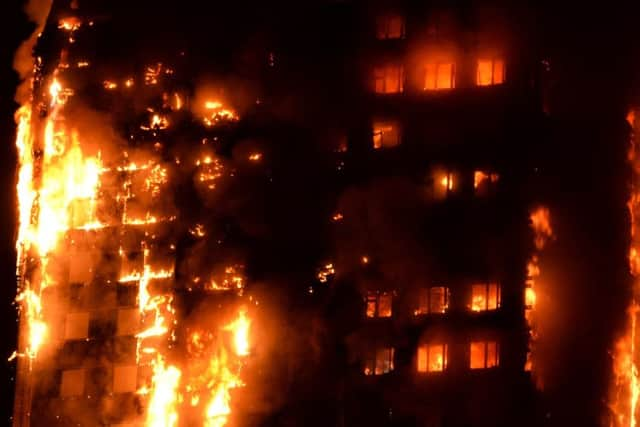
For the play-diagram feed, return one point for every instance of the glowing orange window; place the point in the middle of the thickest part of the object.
(385, 134)
(484, 182)
(444, 183)
(388, 79)
(490, 72)
(380, 362)
(483, 354)
(390, 27)
(433, 300)
(379, 304)
(485, 296)
(432, 357)
(438, 76)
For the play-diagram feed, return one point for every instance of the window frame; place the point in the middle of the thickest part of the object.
(437, 68)
(426, 294)
(377, 129)
(382, 75)
(487, 363)
(374, 297)
(494, 61)
(376, 359)
(384, 25)
(487, 294)
(426, 347)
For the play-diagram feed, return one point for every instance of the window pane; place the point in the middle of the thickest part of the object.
(477, 355)
(493, 357)
(381, 27)
(437, 357)
(378, 76)
(377, 139)
(479, 297)
(369, 366)
(494, 296)
(445, 76)
(422, 358)
(423, 302)
(430, 77)
(72, 383)
(396, 27)
(371, 304)
(438, 299)
(76, 326)
(393, 83)
(384, 361)
(385, 134)
(388, 79)
(390, 27)
(498, 71)
(485, 72)
(384, 305)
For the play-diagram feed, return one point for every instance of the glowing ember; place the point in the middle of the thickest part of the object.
(109, 85)
(232, 278)
(325, 273)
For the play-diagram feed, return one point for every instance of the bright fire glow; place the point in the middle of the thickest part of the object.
(215, 111)
(625, 390)
(540, 223)
(64, 197)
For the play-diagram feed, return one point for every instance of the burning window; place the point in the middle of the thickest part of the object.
(434, 300)
(390, 27)
(444, 183)
(484, 354)
(76, 326)
(485, 296)
(379, 304)
(438, 76)
(432, 357)
(389, 79)
(490, 72)
(484, 182)
(72, 383)
(125, 379)
(380, 362)
(385, 134)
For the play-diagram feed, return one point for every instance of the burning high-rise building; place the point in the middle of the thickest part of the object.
(330, 213)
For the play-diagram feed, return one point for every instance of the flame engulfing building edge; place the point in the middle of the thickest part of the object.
(625, 390)
(540, 221)
(96, 259)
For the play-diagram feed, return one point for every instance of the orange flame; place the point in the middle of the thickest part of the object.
(540, 222)
(625, 390)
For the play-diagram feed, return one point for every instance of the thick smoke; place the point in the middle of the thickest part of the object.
(37, 12)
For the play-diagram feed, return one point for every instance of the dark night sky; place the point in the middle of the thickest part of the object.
(14, 30)
(594, 53)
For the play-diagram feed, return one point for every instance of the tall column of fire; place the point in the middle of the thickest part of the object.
(96, 225)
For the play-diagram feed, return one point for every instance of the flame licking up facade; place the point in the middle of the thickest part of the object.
(96, 257)
(541, 226)
(219, 226)
(625, 390)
